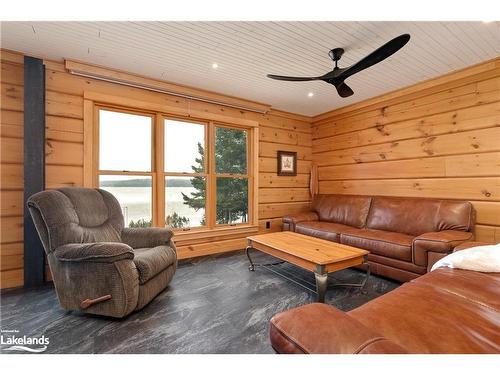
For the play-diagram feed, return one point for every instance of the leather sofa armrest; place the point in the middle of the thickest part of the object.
(290, 221)
(147, 237)
(438, 242)
(99, 252)
(321, 329)
(468, 245)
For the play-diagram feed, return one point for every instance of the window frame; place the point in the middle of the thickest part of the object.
(104, 172)
(158, 173)
(163, 173)
(216, 175)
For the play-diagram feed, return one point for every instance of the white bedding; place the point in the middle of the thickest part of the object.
(480, 258)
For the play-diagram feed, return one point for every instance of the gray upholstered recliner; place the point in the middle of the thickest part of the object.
(99, 266)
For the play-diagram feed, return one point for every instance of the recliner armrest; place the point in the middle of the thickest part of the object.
(438, 242)
(147, 237)
(98, 252)
(292, 220)
(321, 329)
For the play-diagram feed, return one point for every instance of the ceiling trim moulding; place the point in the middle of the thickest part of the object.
(131, 80)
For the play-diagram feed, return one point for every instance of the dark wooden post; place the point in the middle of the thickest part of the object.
(34, 165)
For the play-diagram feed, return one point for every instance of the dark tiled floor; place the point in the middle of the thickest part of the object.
(213, 305)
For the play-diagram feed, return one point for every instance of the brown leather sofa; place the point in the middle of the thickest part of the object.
(445, 311)
(405, 236)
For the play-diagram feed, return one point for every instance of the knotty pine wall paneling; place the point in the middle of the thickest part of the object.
(11, 171)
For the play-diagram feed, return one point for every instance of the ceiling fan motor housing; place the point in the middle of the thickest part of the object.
(336, 53)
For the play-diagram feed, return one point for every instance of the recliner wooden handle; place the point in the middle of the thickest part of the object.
(89, 302)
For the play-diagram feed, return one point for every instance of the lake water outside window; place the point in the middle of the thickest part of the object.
(134, 193)
(185, 201)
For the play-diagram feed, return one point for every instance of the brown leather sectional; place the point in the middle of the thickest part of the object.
(445, 311)
(405, 236)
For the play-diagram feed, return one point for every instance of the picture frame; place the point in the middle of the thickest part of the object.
(287, 163)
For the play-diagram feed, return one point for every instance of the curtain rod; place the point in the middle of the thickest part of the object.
(162, 91)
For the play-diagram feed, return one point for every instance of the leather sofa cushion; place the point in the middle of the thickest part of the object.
(389, 244)
(455, 215)
(324, 230)
(151, 261)
(349, 210)
(290, 221)
(477, 287)
(416, 216)
(403, 215)
(431, 317)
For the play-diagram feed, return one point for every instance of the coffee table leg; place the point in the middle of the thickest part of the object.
(321, 284)
(251, 267)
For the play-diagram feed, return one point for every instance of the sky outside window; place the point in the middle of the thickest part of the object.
(124, 141)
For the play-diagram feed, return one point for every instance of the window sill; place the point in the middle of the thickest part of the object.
(220, 233)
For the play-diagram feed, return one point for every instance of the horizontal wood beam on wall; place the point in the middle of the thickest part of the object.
(479, 188)
(474, 165)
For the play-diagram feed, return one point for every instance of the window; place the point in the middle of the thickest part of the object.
(231, 172)
(125, 163)
(185, 173)
(185, 170)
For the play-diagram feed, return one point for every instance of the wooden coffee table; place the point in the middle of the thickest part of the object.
(313, 254)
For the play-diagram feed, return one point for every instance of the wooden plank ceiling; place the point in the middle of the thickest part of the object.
(183, 52)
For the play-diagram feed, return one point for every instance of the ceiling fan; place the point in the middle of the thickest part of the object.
(338, 75)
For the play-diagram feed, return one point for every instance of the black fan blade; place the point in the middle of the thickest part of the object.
(286, 78)
(376, 56)
(343, 90)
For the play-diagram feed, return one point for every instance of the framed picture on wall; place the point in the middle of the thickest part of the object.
(287, 163)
